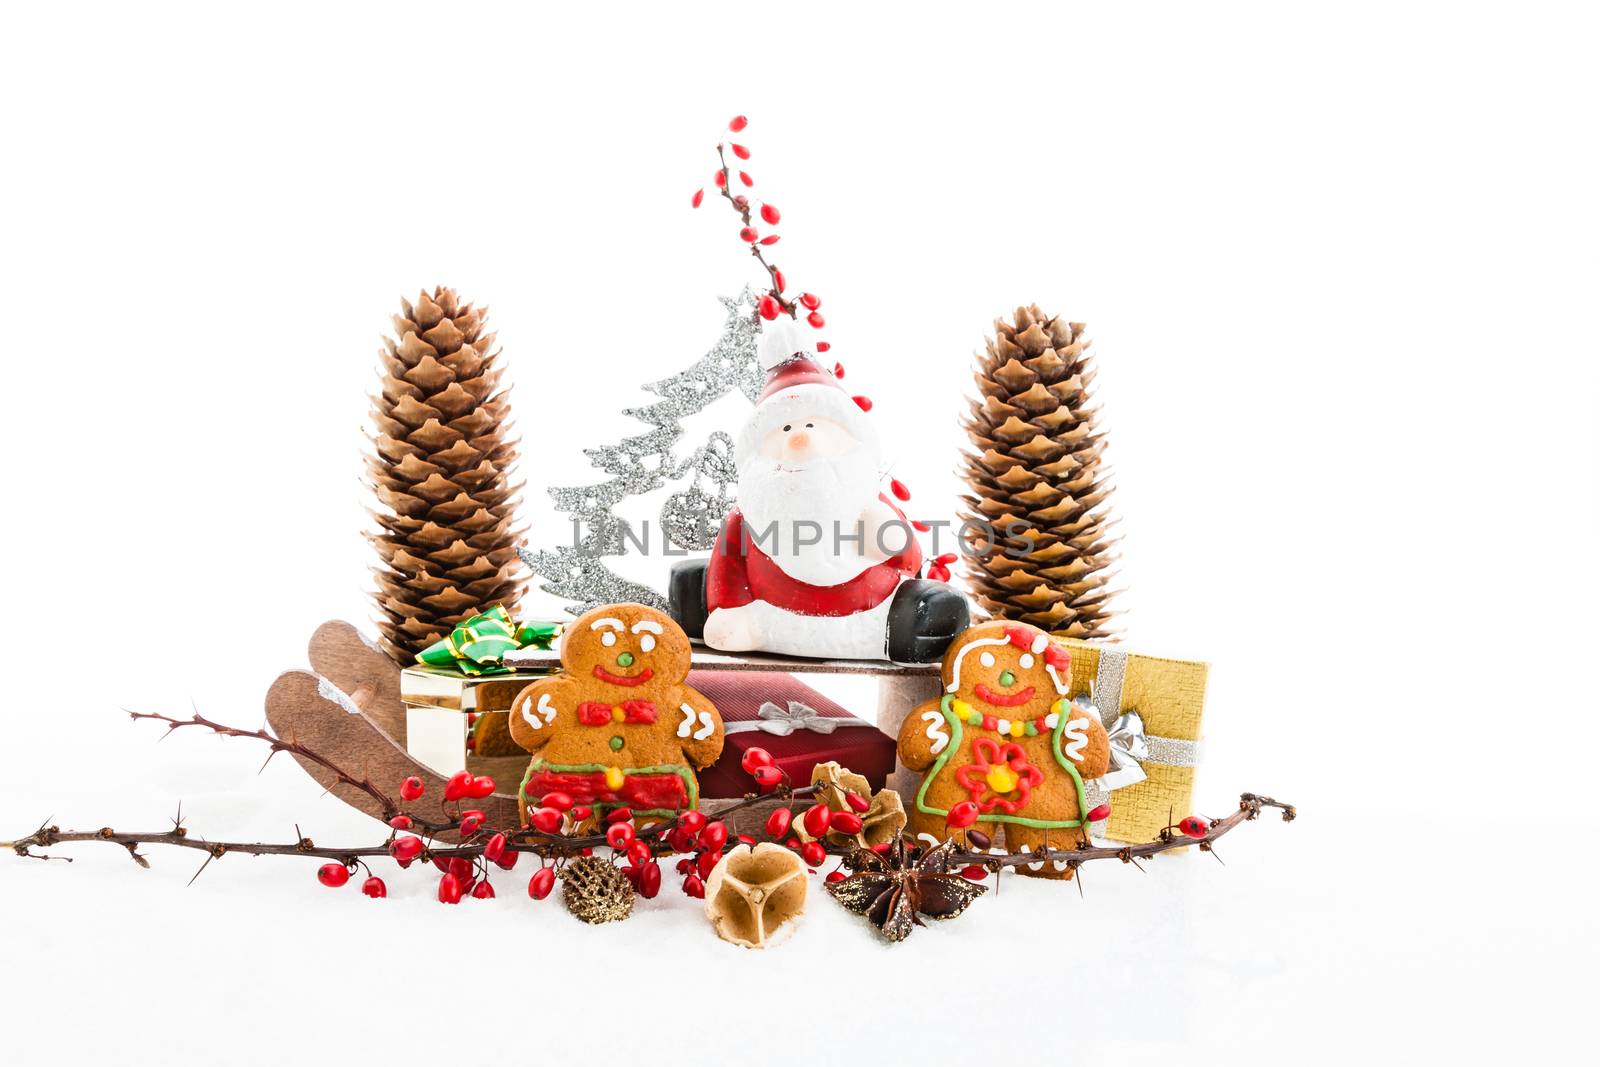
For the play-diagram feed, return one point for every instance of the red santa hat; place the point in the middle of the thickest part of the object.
(797, 382)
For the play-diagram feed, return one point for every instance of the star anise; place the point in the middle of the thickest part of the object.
(893, 888)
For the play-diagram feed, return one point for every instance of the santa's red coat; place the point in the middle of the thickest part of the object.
(740, 573)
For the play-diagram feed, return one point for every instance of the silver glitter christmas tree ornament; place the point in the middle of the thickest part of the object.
(638, 465)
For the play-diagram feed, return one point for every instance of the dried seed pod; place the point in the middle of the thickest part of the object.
(754, 892)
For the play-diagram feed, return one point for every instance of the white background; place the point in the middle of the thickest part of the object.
(1340, 268)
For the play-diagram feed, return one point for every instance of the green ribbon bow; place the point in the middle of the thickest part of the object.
(477, 645)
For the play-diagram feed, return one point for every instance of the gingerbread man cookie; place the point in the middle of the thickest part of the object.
(617, 727)
(1006, 737)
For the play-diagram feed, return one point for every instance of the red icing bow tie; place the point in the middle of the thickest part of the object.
(598, 713)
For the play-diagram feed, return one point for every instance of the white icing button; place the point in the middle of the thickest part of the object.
(987, 659)
(1026, 661)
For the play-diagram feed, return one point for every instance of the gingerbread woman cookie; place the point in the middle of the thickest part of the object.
(617, 727)
(1006, 736)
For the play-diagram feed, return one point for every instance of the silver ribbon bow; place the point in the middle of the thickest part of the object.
(781, 722)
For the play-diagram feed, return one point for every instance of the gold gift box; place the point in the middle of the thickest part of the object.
(1170, 696)
(476, 708)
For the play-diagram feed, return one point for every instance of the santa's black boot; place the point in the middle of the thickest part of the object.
(686, 596)
(924, 618)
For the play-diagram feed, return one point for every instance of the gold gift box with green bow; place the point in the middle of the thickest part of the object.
(458, 695)
(1151, 707)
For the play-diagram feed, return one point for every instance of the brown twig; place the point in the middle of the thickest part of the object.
(790, 307)
(1250, 807)
(279, 744)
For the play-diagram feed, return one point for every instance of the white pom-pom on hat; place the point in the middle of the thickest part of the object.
(781, 341)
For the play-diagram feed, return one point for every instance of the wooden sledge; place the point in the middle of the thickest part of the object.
(348, 708)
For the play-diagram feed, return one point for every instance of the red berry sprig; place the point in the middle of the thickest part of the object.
(772, 303)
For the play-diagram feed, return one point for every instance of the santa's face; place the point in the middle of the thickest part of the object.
(805, 439)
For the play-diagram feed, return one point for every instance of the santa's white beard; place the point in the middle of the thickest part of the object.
(794, 503)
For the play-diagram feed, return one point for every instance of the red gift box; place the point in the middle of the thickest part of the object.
(798, 725)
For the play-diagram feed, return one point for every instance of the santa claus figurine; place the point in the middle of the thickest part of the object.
(816, 560)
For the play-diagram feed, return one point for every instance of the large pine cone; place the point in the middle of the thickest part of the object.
(1036, 474)
(447, 546)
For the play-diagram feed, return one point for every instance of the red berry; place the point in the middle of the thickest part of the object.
(699, 195)
(739, 122)
(816, 819)
(581, 811)
(483, 891)
(881, 847)
(679, 839)
(768, 307)
(920, 526)
(741, 201)
(543, 880)
(749, 234)
(495, 850)
(811, 301)
(778, 822)
(963, 814)
(619, 835)
(705, 861)
(898, 488)
(546, 820)
(835, 876)
(649, 880)
(793, 844)
(740, 150)
(508, 861)
(813, 853)
(620, 815)
(456, 787)
(480, 787)
(401, 822)
(333, 875)
(768, 778)
(692, 821)
(715, 835)
(779, 282)
(858, 803)
(449, 890)
(639, 852)
(685, 865)
(770, 215)
(974, 873)
(462, 868)
(721, 178)
(838, 371)
(816, 320)
(411, 788)
(748, 181)
(753, 758)
(405, 849)
(746, 839)
(847, 822)
(374, 887)
(694, 887)
(1102, 812)
(471, 822)
(771, 240)
(441, 862)
(1194, 826)
(862, 402)
(559, 801)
